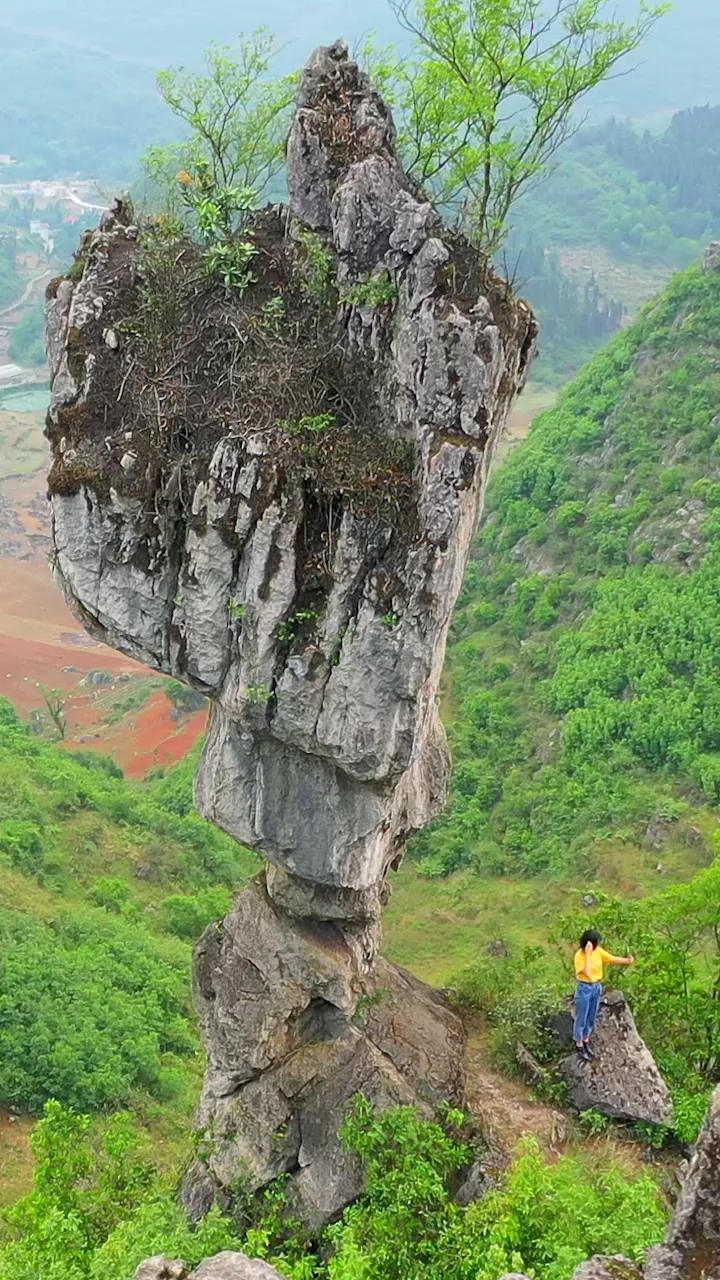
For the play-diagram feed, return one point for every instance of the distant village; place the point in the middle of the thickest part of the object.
(75, 197)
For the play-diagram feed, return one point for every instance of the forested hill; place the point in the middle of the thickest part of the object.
(583, 675)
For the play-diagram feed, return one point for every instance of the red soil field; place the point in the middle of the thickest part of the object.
(151, 737)
(41, 643)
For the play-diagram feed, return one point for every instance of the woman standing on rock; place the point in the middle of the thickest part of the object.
(589, 961)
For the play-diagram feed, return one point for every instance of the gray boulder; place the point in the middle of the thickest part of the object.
(235, 1266)
(623, 1079)
(606, 1268)
(224, 1266)
(692, 1246)
(162, 1268)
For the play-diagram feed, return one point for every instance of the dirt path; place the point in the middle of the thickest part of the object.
(505, 1110)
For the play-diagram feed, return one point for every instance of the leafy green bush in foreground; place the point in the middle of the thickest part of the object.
(97, 1210)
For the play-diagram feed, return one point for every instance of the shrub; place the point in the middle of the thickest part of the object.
(89, 1008)
(187, 915)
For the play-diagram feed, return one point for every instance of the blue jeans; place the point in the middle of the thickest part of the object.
(587, 1004)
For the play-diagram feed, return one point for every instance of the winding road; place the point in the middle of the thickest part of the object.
(28, 290)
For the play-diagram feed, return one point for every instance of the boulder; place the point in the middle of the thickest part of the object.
(235, 1266)
(606, 1268)
(162, 1268)
(224, 1266)
(623, 1079)
(692, 1246)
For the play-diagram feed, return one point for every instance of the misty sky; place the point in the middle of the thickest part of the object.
(679, 65)
(77, 77)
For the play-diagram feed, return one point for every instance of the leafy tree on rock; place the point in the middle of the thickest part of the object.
(488, 95)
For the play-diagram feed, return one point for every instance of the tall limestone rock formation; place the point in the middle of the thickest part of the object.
(269, 492)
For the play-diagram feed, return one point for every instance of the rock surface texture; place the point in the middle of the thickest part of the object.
(606, 1268)
(325, 747)
(623, 1079)
(296, 1025)
(270, 493)
(224, 1266)
(692, 1245)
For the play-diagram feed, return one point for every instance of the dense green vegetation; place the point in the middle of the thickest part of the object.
(584, 659)
(98, 1208)
(643, 197)
(105, 883)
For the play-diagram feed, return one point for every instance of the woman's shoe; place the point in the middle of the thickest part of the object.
(581, 1051)
(590, 1052)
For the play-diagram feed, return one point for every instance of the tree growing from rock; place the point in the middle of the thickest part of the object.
(488, 94)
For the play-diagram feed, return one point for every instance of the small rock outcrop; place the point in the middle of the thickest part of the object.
(623, 1079)
(692, 1246)
(712, 256)
(224, 1266)
(270, 492)
(162, 1268)
(480, 1178)
(608, 1268)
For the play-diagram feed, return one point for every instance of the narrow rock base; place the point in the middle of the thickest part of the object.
(298, 1019)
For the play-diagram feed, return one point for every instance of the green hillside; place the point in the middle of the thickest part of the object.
(104, 885)
(585, 657)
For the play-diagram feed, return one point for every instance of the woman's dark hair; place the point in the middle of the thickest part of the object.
(590, 935)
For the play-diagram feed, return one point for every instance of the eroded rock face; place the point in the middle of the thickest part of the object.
(692, 1246)
(195, 539)
(623, 1079)
(296, 1025)
(270, 493)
